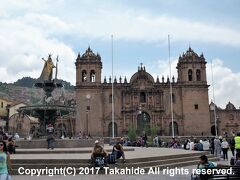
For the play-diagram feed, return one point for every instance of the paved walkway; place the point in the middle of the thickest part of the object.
(139, 152)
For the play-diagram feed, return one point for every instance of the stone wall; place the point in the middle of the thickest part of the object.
(59, 143)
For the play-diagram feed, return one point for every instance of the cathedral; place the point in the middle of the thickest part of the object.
(142, 102)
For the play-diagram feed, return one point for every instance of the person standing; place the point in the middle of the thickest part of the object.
(217, 147)
(225, 147)
(212, 145)
(232, 145)
(144, 138)
(5, 162)
(237, 142)
(50, 137)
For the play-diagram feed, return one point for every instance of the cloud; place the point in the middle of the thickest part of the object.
(12, 7)
(129, 24)
(32, 29)
(25, 43)
(226, 82)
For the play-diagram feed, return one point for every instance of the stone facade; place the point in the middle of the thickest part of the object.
(142, 102)
(227, 120)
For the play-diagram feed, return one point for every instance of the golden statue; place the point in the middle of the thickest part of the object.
(47, 69)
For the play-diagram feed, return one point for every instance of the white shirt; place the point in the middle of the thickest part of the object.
(225, 144)
(206, 145)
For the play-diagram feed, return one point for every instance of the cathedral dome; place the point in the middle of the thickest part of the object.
(141, 75)
(230, 106)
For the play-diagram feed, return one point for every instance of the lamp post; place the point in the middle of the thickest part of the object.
(88, 97)
(139, 112)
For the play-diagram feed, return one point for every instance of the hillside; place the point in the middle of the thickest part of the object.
(24, 91)
(29, 82)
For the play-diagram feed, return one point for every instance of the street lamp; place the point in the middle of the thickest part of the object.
(88, 97)
(139, 112)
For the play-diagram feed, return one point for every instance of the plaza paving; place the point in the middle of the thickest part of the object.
(138, 153)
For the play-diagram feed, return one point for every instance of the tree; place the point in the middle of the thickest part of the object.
(154, 131)
(132, 134)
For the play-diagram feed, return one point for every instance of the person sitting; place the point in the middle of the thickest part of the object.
(204, 164)
(199, 146)
(188, 143)
(16, 136)
(118, 149)
(206, 145)
(98, 151)
(237, 162)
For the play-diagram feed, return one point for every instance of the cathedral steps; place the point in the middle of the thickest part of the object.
(179, 160)
(61, 151)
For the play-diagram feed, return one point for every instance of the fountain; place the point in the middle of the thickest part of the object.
(48, 109)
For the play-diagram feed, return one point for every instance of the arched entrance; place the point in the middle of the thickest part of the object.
(213, 130)
(143, 122)
(175, 128)
(110, 129)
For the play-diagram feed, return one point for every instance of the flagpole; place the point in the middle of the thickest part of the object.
(170, 74)
(214, 109)
(112, 93)
(56, 68)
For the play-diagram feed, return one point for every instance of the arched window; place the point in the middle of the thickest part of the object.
(198, 74)
(110, 98)
(173, 98)
(84, 76)
(189, 75)
(142, 97)
(92, 76)
(213, 130)
(110, 129)
(143, 122)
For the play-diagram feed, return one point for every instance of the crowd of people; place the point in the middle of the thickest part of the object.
(84, 135)
(9, 141)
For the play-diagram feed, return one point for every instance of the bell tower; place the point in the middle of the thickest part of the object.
(194, 92)
(89, 105)
(88, 68)
(191, 68)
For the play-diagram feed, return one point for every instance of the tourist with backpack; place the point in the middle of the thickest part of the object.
(202, 166)
(98, 153)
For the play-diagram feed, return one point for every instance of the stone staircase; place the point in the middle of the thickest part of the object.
(171, 161)
(62, 151)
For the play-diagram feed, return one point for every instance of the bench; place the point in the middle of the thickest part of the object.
(234, 175)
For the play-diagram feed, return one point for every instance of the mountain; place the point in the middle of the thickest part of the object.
(23, 90)
(29, 82)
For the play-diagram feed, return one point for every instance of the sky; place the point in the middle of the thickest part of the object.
(30, 30)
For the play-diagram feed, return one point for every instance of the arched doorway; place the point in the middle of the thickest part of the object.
(110, 129)
(213, 130)
(175, 128)
(143, 122)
